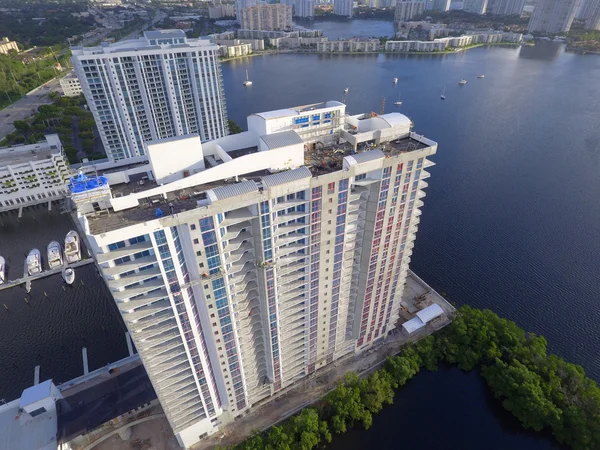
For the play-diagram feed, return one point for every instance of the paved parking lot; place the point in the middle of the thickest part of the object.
(25, 107)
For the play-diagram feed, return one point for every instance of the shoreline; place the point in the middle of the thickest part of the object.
(378, 52)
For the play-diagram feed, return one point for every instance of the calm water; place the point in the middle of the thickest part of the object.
(511, 219)
(448, 409)
(51, 329)
(340, 29)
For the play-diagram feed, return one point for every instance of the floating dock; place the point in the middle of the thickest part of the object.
(27, 279)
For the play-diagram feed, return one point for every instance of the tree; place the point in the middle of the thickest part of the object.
(234, 128)
(21, 125)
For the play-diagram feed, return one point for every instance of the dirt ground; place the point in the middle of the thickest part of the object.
(153, 435)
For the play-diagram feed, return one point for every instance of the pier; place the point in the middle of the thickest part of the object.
(28, 279)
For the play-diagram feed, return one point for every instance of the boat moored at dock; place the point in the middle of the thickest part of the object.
(34, 262)
(2, 270)
(68, 275)
(72, 247)
(55, 259)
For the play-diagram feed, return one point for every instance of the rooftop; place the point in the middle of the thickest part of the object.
(33, 152)
(296, 110)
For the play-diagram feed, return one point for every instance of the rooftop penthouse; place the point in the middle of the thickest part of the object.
(152, 40)
(182, 173)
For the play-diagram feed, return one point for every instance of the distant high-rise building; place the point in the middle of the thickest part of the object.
(7, 45)
(592, 21)
(408, 9)
(505, 7)
(241, 4)
(441, 5)
(304, 8)
(475, 6)
(276, 17)
(552, 16)
(343, 7)
(155, 87)
(585, 9)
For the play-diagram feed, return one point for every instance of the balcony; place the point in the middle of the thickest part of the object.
(237, 254)
(137, 277)
(283, 270)
(147, 310)
(128, 266)
(291, 228)
(292, 286)
(123, 251)
(284, 218)
(157, 330)
(245, 264)
(284, 240)
(290, 248)
(234, 231)
(288, 204)
(235, 243)
(137, 290)
(237, 216)
(425, 175)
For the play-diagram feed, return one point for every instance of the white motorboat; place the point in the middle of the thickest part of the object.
(395, 80)
(68, 275)
(462, 82)
(247, 82)
(72, 247)
(54, 255)
(481, 76)
(2, 270)
(34, 262)
(443, 96)
(346, 90)
(399, 102)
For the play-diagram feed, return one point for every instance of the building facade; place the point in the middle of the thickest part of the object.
(288, 250)
(505, 7)
(475, 6)
(221, 11)
(441, 5)
(343, 7)
(408, 9)
(276, 17)
(70, 85)
(7, 45)
(156, 87)
(33, 174)
(236, 50)
(552, 16)
(242, 4)
(304, 9)
(592, 21)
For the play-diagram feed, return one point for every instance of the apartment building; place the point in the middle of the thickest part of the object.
(275, 17)
(350, 45)
(552, 16)
(70, 85)
(408, 9)
(505, 7)
(343, 7)
(475, 6)
(440, 5)
(221, 11)
(33, 174)
(304, 8)
(6, 45)
(155, 87)
(235, 50)
(242, 4)
(244, 264)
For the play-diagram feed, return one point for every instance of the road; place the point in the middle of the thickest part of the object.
(26, 106)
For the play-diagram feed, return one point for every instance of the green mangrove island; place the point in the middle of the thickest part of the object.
(542, 391)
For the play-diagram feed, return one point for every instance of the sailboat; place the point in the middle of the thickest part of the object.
(247, 82)
(398, 103)
(443, 96)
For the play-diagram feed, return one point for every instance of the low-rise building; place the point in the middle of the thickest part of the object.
(7, 45)
(33, 174)
(255, 44)
(221, 11)
(234, 51)
(442, 44)
(70, 85)
(349, 45)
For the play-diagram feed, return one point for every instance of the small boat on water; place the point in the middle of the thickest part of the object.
(395, 80)
(34, 262)
(247, 82)
(481, 76)
(54, 255)
(462, 82)
(398, 102)
(443, 96)
(346, 90)
(72, 247)
(2, 270)
(68, 275)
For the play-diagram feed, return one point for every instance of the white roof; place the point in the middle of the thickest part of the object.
(395, 119)
(413, 325)
(35, 393)
(281, 139)
(277, 114)
(23, 432)
(430, 313)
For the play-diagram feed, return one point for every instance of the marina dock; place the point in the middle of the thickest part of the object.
(28, 279)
